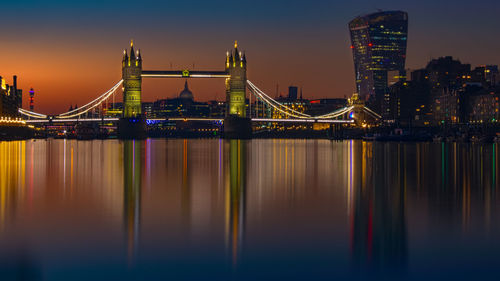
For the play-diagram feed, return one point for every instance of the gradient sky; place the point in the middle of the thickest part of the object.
(70, 51)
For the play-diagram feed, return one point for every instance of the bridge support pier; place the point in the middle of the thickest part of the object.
(132, 128)
(237, 127)
(335, 131)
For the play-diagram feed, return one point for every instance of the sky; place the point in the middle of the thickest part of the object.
(70, 51)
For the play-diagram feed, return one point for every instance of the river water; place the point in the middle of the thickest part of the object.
(248, 210)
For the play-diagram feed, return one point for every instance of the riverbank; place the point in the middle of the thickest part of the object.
(381, 134)
(16, 133)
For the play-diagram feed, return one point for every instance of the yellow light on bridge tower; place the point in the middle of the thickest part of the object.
(236, 84)
(132, 81)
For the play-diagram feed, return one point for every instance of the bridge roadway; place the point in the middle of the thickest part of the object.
(73, 120)
(184, 74)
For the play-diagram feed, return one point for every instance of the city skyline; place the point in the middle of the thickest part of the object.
(249, 140)
(293, 44)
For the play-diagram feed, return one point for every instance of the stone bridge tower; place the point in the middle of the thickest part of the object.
(236, 123)
(236, 66)
(359, 115)
(132, 80)
(132, 125)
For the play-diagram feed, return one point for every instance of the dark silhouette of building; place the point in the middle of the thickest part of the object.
(446, 91)
(407, 103)
(447, 73)
(182, 106)
(486, 75)
(293, 93)
(217, 109)
(451, 85)
(186, 94)
(147, 109)
(324, 106)
(11, 98)
(484, 106)
(378, 45)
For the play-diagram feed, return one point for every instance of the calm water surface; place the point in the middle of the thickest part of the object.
(248, 210)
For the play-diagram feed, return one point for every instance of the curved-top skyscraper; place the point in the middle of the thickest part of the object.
(378, 43)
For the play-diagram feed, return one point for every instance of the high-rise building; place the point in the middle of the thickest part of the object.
(32, 99)
(378, 43)
(486, 75)
(292, 93)
(448, 74)
(10, 98)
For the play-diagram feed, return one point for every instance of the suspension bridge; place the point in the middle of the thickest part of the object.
(132, 123)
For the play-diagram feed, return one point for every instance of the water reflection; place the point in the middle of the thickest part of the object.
(18, 262)
(132, 185)
(236, 199)
(259, 209)
(12, 180)
(186, 188)
(379, 235)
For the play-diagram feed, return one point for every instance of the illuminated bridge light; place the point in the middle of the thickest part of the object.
(11, 121)
(287, 111)
(302, 120)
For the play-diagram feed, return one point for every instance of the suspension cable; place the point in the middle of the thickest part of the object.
(92, 104)
(259, 94)
(278, 108)
(271, 100)
(32, 114)
(373, 113)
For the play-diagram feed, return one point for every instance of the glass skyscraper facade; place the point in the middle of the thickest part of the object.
(378, 43)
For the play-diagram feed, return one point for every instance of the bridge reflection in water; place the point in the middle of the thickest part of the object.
(235, 199)
(134, 154)
(132, 188)
(260, 209)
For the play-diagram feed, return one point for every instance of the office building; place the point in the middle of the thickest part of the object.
(378, 43)
(11, 98)
(293, 93)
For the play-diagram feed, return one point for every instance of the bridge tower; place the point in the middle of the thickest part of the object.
(236, 123)
(236, 66)
(132, 124)
(358, 110)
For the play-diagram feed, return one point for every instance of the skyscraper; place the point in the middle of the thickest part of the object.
(378, 43)
(292, 93)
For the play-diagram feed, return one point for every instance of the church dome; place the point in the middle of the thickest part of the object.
(186, 93)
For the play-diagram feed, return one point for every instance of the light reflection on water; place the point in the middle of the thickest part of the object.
(260, 209)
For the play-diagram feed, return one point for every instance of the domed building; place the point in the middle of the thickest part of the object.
(181, 106)
(186, 94)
